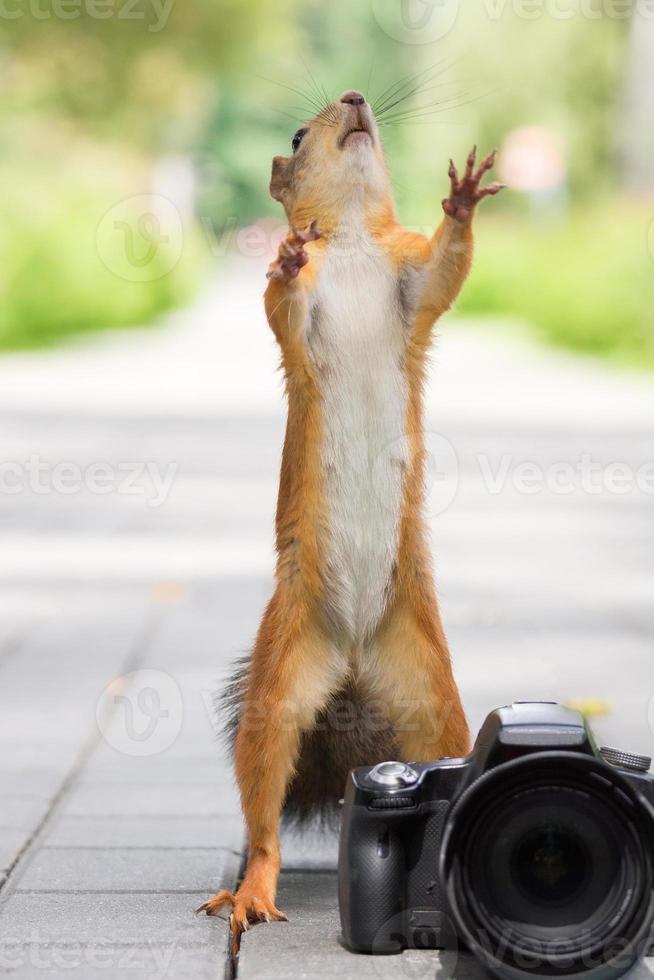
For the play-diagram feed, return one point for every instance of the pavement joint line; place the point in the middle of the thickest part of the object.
(114, 944)
(309, 871)
(142, 642)
(97, 783)
(107, 891)
(144, 815)
(231, 959)
(185, 944)
(218, 848)
(134, 816)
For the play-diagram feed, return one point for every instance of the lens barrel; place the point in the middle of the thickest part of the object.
(547, 865)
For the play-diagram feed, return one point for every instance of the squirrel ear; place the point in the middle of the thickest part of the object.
(278, 181)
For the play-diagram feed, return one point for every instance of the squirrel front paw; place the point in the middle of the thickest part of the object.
(292, 256)
(466, 193)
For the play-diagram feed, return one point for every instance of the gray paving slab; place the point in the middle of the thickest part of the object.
(118, 917)
(31, 781)
(216, 627)
(164, 832)
(149, 800)
(47, 720)
(23, 811)
(105, 961)
(126, 836)
(127, 870)
(109, 766)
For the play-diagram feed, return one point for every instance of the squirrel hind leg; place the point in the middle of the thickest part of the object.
(414, 677)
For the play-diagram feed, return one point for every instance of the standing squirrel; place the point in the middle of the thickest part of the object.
(350, 665)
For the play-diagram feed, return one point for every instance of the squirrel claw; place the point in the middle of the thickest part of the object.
(470, 162)
(246, 910)
(291, 256)
(465, 193)
(311, 234)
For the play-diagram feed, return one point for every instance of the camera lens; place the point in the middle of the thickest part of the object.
(550, 865)
(547, 866)
(546, 860)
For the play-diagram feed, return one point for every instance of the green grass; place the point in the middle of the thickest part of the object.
(55, 281)
(587, 283)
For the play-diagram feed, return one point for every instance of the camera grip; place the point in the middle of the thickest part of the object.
(370, 881)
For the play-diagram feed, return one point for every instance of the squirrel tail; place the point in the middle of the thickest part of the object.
(347, 733)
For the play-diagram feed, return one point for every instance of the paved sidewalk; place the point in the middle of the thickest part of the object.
(121, 609)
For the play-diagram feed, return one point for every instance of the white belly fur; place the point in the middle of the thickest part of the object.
(357, 340)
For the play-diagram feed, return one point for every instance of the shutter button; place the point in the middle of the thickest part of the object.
(393, 774)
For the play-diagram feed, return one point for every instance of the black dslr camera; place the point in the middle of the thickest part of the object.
(536, 852)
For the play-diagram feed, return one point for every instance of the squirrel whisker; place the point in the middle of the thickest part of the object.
(310, 100)
(381, 103)
(440, 105)
(418, 89)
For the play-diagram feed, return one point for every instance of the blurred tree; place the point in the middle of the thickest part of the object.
(163, 75)
(257, 111)
(95, 90)
(562, 73)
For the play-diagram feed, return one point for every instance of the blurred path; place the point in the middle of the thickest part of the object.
(138, 491)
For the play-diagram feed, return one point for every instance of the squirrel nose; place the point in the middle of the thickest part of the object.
(352, 98)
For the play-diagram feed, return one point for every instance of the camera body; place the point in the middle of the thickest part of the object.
(405, 830)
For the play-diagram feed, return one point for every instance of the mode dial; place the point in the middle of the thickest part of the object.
(625, 760)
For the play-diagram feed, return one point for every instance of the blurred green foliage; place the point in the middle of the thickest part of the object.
(586, 283)
(54, 281)
(95, 92)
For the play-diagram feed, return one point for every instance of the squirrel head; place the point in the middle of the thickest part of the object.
(337, 160)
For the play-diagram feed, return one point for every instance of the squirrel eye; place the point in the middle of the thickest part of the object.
(297, 139)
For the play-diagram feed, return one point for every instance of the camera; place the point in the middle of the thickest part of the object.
(535, 853)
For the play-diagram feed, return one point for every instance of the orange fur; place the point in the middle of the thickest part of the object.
(298, 662)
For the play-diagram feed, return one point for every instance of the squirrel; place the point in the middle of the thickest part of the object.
(351, 664)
